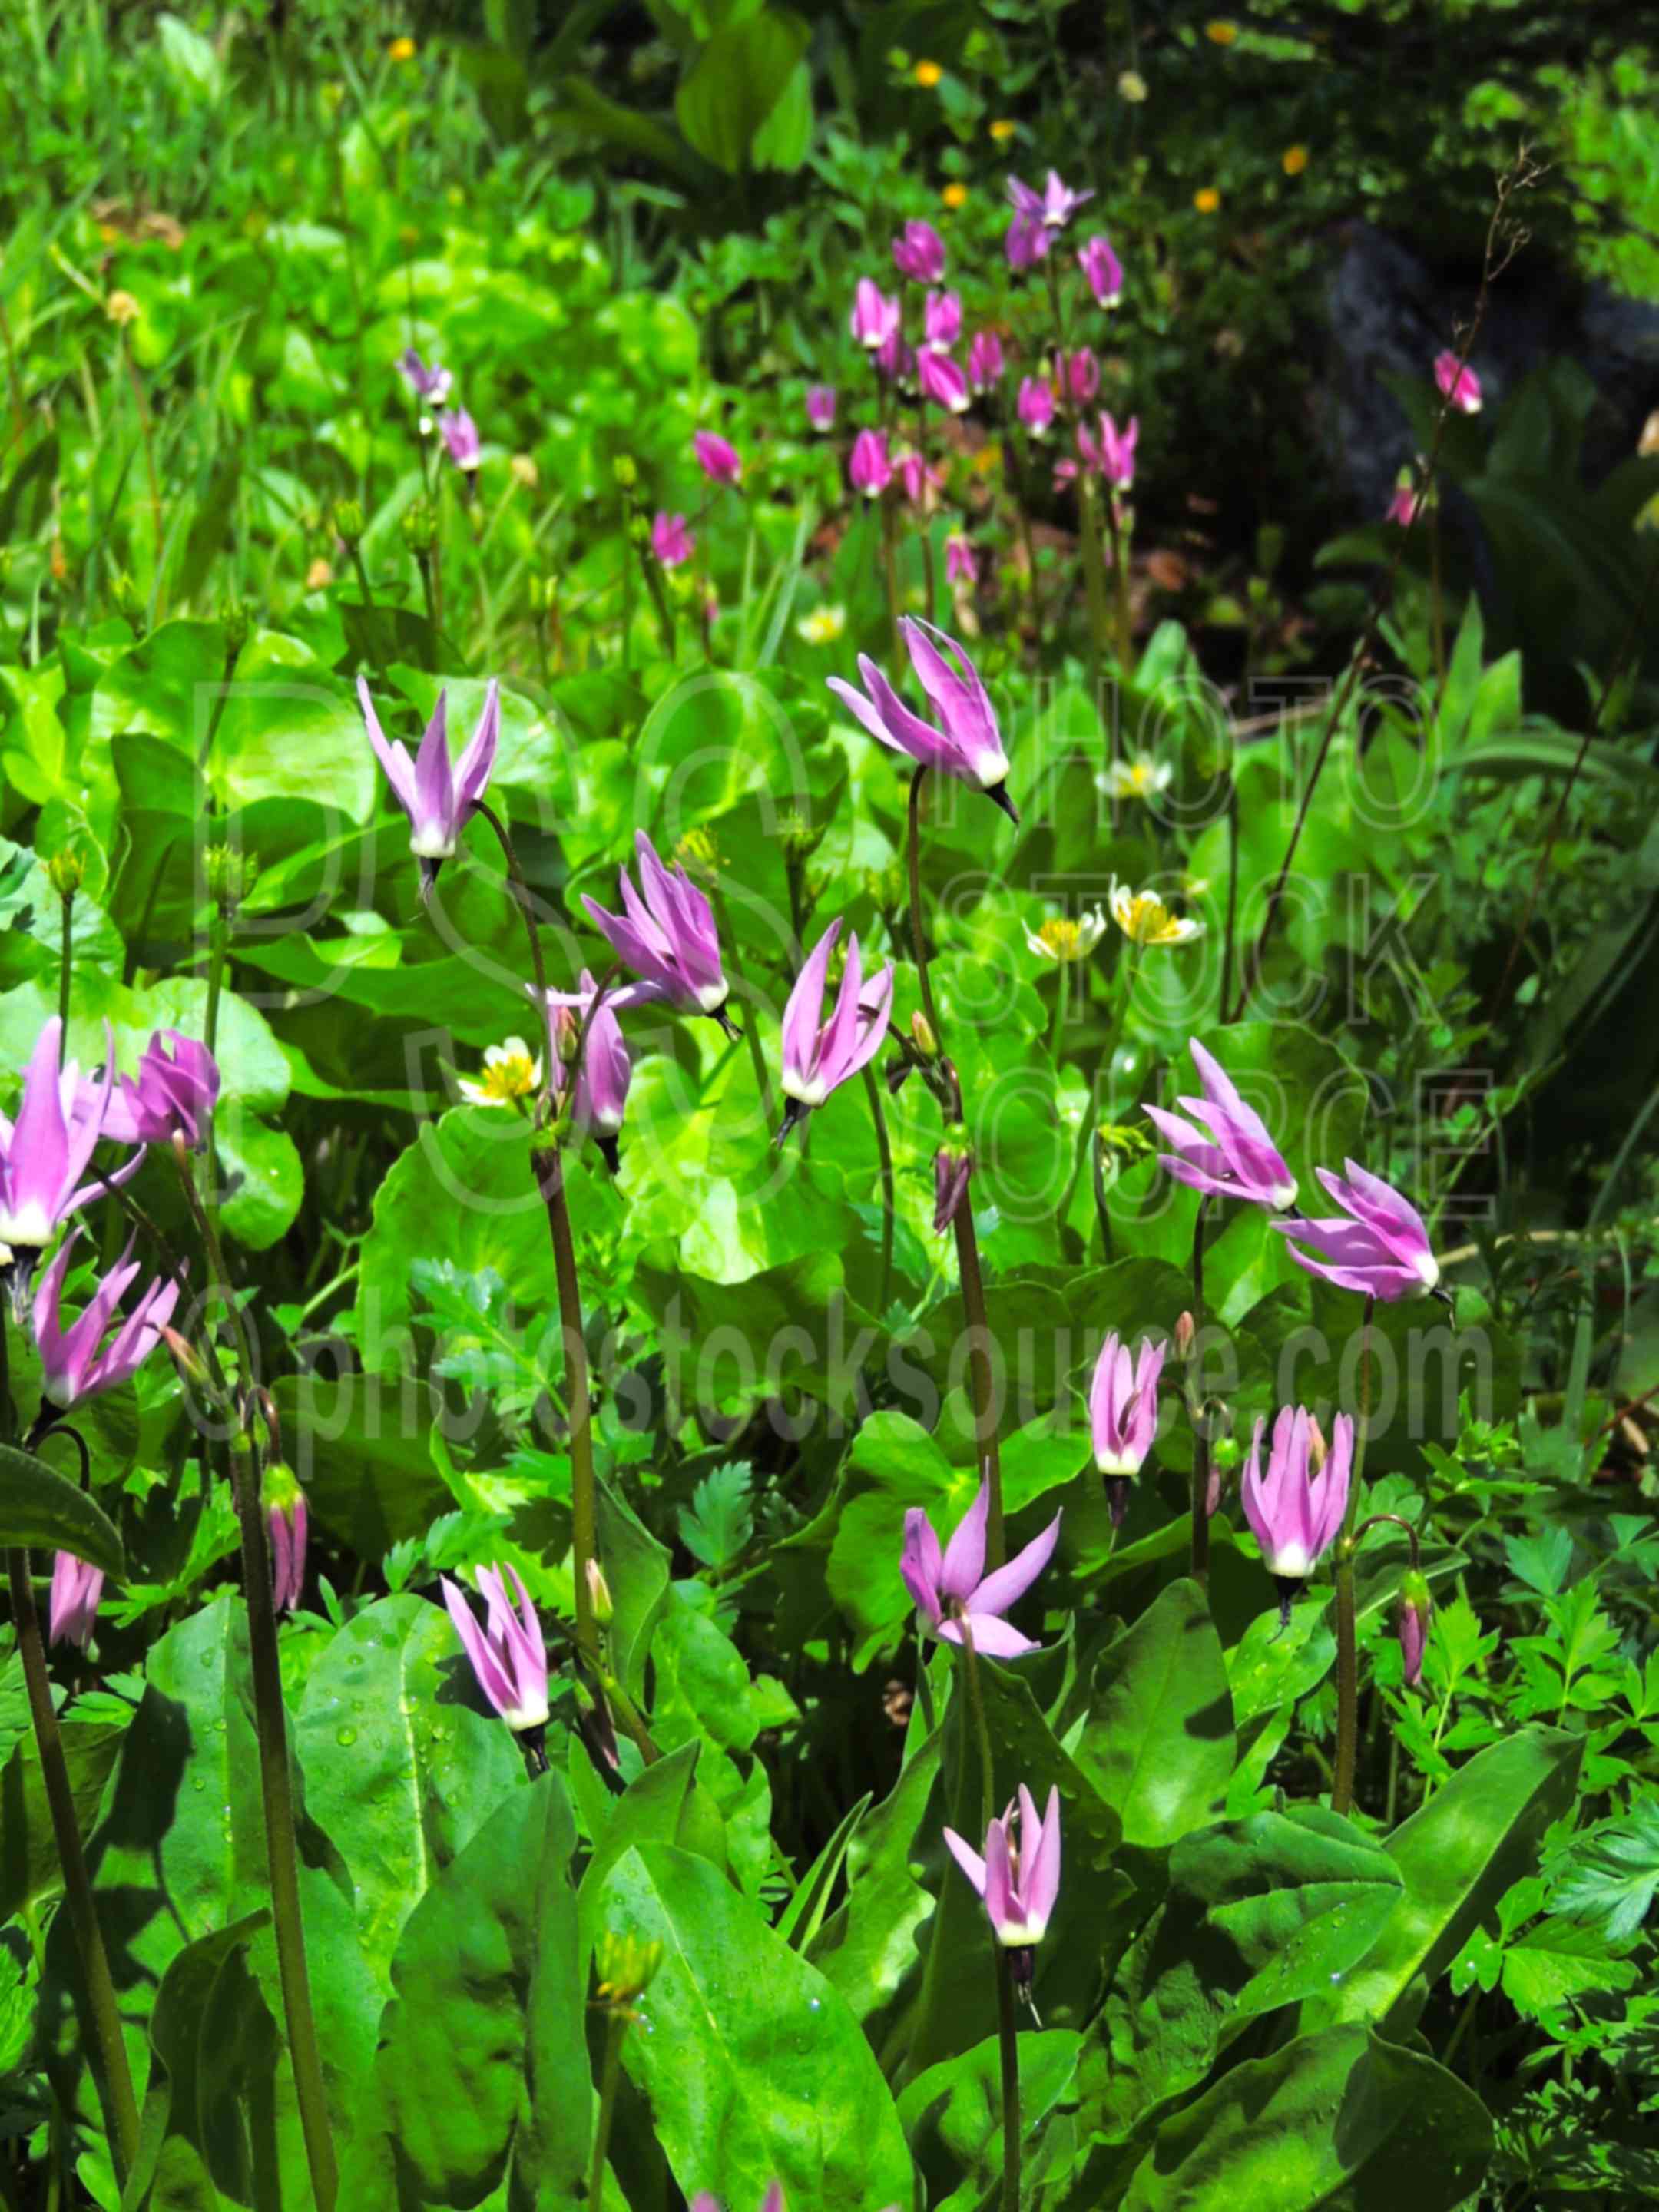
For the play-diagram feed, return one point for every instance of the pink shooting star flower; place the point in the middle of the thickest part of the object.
(952, 1171)
(984, 360)
(1461, 386)
(951, 1589)
(875, 317)
(44, 1153)
(968, 746)
(287, 1520)
(961, 565)
(919, 253)
(76, 1588)
(821, 406)
(869, 468)
(719, 459)
(600, 1103)
(942, 321)
(942, 382)
(1052, 207)
(1415, 1619)
(76, 1362)
(1112, 455)
(1082, 376)
(819, 1055)
(1236, 1158)
(1123, 1415)
(919, 479)
(1382, 1252)
(667, 937)
(1018, 1879)
(461, 441)
(1102, 270)
(671, 540)
(431, 386)
(440, 801)
(1295, 1511)
(1026, 242)
(1036, 404)
(507, 1653)
(174, 1094)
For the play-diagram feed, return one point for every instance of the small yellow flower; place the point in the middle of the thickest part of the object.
(1293, 160)
(697, 852)
(1132, 87)
(1143, 777)
(1003, 130)
(1206, 199)
(121, 308)
(1145, 920)
(401, 50)
(955, 196)
(1221, 33)
(927, 75)
(318, 576)
(1063, 940)
(510, 1073)
(823, 626)
(525, 471)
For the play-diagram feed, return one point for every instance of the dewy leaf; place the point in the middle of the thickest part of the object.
(1340, 2117)
(40, 1507)
(1159, 1745)
(482, 2055)
(1477, 1834)
(754, 2069)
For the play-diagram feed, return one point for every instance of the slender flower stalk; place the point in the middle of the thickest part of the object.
(888, 1188)
(1347, 1641)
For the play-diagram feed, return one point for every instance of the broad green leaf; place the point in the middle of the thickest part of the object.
(740, 77)
(1159, 1745)
(41, 1509)
(1337, 2119)
(742, 2027)
(636, 1567)
(952, 2113)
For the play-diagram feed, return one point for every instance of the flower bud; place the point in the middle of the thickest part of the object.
(66, 872)
(625, 1968)
(626, 471)
(600, 1591)
(1416, 1612)
(238, 625)
(229, 876)
(1317, 1447)
(348, 520)
(921, 1034)
(420, 526)
(1186, 1331)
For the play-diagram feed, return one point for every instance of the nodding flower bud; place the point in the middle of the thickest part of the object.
(1416, 1612)
(624, 1968)
(600, 1591)
(921, 1036)
(66, 872)
(953, 1167)
(420, 526)
(229, 875)
(347, 520)
(1186, 1332)
(237, 626)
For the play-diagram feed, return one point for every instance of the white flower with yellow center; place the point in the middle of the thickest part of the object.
(1145, 920)
(1142, 778)
(1063, 940)
(823, 626)
(511, 1074)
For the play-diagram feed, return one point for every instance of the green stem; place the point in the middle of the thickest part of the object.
(1232, 897)
(610, 2079)
(363, 584)
(65, 974)
(114, 2078)
(977, 1706)
(884, 1154)
(889, 573)
(1008, 2038)
(918, 938)
(981, 1380)
(584, 1532)
(233, 652)
(1200, 1531)
(218, 951)
(1062, 991)
(750, 1029)
(1347, 1654)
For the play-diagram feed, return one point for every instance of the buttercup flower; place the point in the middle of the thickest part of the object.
(1002, 130)
(1018, 1877)
(461, 442)
(869, 470)
(942, 381)
(1062, 940)
(75, 1362)
(821, 406)
(671, 540)
(955, 194)
(508, 1654)
(667, 938)
(430, 384)
(1293, 160)
(941, 319)
(1238, 1158)
(1052, 207)
(1206, 199)
(1036, 404)
(511, 1074)
(601, 1099)
(1102, 269)
(1142, 777)
(76, 1588)
(961, 566)
(953, 1587)
(1461, 386)
(173, 1094)
(875, 318)
(1295, 1511)
(720, 461)
(970, 744)
(44, 1153)
(1383, 1251)
(984, 360)
(927, 75)
(823, 626)
(1145, 920)
(287, 1519)
(440, 801)
(819, 1055)
(919, 253)
(1123, 1405)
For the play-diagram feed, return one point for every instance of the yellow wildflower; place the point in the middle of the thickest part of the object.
(1132, 87)
(955, 196)
(1003, 130)
(1145, 920)
(510, 1073)
(823, 626)
(121, 308)
(401, 50)
(1207, 200)
(1063, 940)
(318, 576)
(1221, 33)
(927, 75)
(1293, 160)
